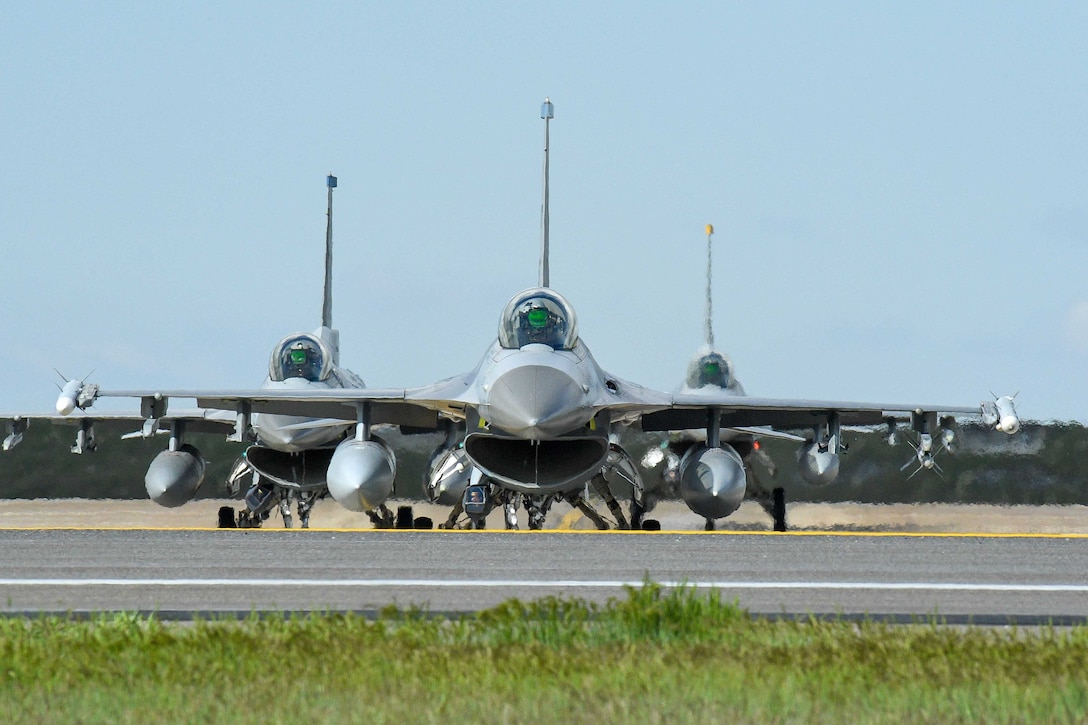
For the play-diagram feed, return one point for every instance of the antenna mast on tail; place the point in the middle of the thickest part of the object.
(547, 112)
(326, 308)
(709, 310)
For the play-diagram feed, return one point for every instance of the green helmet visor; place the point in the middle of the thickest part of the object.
(538, 317)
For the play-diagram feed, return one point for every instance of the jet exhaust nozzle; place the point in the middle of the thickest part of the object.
(360, 475)
(712, 481)
(173, 477)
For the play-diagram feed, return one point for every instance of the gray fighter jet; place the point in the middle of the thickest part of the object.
(711, 372)
(290, 451)
(535, 421)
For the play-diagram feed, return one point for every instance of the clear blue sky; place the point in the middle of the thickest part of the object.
(900, 190)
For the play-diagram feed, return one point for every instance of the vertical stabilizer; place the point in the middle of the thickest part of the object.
(326, 308)
(547, 112)
(709, 309)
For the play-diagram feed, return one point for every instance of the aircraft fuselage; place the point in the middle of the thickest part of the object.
(536, 428)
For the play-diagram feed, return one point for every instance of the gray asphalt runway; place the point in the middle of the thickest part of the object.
(989, 578)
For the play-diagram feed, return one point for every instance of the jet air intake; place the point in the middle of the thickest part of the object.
(303, 471)
(546, 466)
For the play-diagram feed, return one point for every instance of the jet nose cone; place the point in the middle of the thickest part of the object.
(537, 402)
(276, 432)
(293, 433)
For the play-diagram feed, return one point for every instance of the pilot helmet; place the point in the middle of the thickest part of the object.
(298, 353)
(537, 321)
(299, 361)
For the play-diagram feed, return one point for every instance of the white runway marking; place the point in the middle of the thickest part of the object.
(549, 584)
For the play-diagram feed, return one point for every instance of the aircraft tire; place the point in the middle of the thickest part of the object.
(404, 518)
(651, 525)
(226, 518)
(778, 508)
(423, 522)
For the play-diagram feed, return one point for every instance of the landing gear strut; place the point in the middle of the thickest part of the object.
(381, 517)
(773, 502)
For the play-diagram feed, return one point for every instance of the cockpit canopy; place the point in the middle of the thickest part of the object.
(538, 315)
(710, 368)
(300, 356)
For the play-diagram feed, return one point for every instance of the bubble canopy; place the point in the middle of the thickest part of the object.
(541, 316)
(711, 368)
(299, 356)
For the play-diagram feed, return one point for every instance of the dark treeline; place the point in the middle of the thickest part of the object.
(1043, 464)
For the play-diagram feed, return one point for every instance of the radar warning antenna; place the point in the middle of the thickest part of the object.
(547, 112)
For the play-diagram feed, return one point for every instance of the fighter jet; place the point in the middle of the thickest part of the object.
(710, 372)
(290, 453)
(535, 421)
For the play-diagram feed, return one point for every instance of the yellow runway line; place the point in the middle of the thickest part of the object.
(565, 527)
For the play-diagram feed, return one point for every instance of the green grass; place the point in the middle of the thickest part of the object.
(656, 656)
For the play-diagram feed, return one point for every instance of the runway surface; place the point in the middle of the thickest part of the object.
(983, 578)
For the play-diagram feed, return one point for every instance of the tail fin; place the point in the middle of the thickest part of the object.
(326, 308)
(709, 309)
(547, 112)
(331, 335)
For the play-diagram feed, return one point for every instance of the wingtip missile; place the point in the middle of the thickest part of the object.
(76, 394)
(1001, 414)
(69, 394)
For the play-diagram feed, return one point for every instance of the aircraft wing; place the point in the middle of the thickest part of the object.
(690, 410)
(414, 407)
(197, 421)
(385, 405)
(627, 402)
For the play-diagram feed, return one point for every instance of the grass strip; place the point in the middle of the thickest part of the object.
(658, 655)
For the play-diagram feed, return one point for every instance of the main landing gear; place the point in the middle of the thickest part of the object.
(383, 518)
(774, 504)
(260, 501)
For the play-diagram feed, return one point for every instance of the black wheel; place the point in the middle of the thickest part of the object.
(226, 518)
(423, 522)
(404, 518)
(651, 525)
(778, 509)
